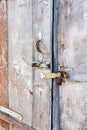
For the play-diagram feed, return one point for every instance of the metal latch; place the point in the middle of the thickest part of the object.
(60, 76)
(41, 65)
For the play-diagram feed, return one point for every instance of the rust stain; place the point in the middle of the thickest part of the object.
(3, 59)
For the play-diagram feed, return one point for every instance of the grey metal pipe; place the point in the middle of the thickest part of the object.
(55, 108)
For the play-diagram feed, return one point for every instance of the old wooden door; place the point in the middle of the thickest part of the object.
(43, 104)
(72, 57)
(22, 22)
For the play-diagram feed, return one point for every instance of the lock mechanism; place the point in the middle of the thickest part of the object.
(60, 76)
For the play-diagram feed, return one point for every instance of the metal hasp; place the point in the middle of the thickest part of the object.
(55, 108)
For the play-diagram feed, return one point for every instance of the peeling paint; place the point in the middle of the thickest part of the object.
(3, 58)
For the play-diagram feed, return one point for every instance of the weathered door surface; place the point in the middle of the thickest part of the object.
(72, 46)
(25, 34)
(22, 22)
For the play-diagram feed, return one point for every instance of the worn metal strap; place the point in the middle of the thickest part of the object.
(18, 124)
(11, 113)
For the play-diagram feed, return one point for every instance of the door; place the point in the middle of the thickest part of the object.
(37, 37)
(22, 24)
(72, 58)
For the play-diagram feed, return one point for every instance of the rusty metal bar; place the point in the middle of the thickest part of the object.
(13, 122)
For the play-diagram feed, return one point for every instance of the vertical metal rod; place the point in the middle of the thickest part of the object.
(55, 116)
